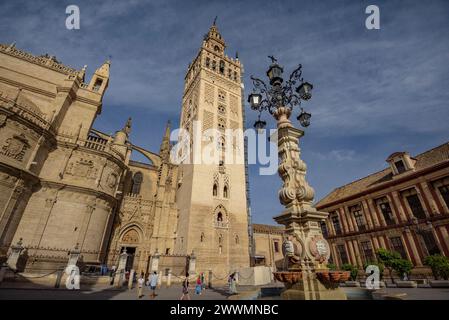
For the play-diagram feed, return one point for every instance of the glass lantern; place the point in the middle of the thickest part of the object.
(260, 125)
(254, 100)
(305, 90)
(304, 118)
(274, 73)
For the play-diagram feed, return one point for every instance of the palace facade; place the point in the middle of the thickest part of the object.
(403, 208)
(65, 185)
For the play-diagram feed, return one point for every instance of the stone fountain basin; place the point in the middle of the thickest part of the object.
(292, 277)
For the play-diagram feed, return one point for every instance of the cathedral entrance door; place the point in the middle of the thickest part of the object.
(131, 251)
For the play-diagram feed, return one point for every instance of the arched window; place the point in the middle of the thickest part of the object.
(221, 123)
(202, 237)
(207, 62)
(221, 109)
(214, 65)
(221, 143)
(222, 66)
(236, 239)
(136, 183)
(97, 85)
(215, 190)
(219, 217)
(225, 192)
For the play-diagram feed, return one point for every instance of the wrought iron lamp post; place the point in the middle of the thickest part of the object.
(305, 249)
(279, 99)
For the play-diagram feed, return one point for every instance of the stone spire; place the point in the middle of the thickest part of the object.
(104, 69)
(127, 128)
(165, 145)
(100, 79)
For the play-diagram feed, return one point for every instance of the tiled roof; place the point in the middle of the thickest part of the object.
(424, 160)
(266, 228)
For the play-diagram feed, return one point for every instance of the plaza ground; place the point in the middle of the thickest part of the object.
(174, 293)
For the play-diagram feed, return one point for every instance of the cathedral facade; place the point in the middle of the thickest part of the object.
(65, 185)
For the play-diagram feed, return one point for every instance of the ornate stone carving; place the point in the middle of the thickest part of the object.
(111, 180)
(15, 147)
(292, 170)
(20, 188)
(233, 105)
(300, 217)
(209, 93)
(3, 118)
(319, 248)
(82, 168)
(293, 252)
(131, 236)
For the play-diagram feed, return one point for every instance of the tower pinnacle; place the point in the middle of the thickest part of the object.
(165, 145)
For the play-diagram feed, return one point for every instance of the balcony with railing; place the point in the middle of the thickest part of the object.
(27, 112)
(221, 224)
(95, 143)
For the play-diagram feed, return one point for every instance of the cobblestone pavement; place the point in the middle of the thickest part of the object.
(106, 293)
(419, 293)
(174, 293)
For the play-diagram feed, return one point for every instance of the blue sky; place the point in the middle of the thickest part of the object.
(375, 91)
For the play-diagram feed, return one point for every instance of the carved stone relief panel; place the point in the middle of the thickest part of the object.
(82, 167)
(233, 103)
(131, 236)
(209, 94)
(15, 147)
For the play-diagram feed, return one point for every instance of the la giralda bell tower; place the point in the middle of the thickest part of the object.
(212, 198)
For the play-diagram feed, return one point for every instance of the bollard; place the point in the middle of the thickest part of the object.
(59, 274)
(159, 279)
(131, 279)
(210, 279)
(169, 279)
(120, 279)
(3, 269)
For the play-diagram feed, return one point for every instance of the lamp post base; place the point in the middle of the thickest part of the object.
(310, 288)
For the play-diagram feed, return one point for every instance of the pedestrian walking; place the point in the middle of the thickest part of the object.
(203, 281)
(185, 288)
(112, 275)
(153, 284)
(232, 283)
(199, 286)
(140, 283)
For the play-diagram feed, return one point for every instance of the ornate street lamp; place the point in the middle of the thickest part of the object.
(305, 90)
(306, 252)
(280, 94)
(254, 100)
(259, 125)
(304, 118)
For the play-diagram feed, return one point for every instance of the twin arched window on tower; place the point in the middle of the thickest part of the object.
(136, 183)
(225, 190)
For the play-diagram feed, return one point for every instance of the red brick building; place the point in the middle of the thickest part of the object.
(404, 208)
